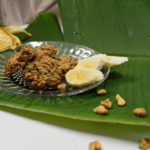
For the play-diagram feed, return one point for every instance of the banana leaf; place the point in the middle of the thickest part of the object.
(113, 27)
(44, 28)
(117, 27)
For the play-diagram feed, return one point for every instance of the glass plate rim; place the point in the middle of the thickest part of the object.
(62, 94)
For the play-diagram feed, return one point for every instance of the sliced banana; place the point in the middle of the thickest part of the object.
(110, 61)
(93, 62)
(83, 76)
(87, 70)
(100, 61)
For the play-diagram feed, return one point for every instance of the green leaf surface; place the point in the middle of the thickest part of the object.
(44, 28)
(127, 80)
(118, 27)
(115, 27)
(2, 25)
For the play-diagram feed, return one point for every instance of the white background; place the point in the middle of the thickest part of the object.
(23, 130)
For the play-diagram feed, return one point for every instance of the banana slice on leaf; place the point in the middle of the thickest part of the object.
(83, 76)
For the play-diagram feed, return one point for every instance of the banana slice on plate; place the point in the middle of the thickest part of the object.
(87, 70)
(110, 61)
(100, 61)
(83, 76)
(93, 62)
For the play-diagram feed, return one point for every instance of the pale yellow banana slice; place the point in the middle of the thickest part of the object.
(100, 61)
(5, 40)
(83, 76)
(113, 60)
(93, 62)
(15, 29)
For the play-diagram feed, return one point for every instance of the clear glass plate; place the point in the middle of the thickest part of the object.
(14, 84)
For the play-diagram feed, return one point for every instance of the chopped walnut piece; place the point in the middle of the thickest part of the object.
(120, 100)
(107, 103)
(145, 143)
(100, 110)
(139, 112)
(61, 86)
(101, 91)
(96, 145)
